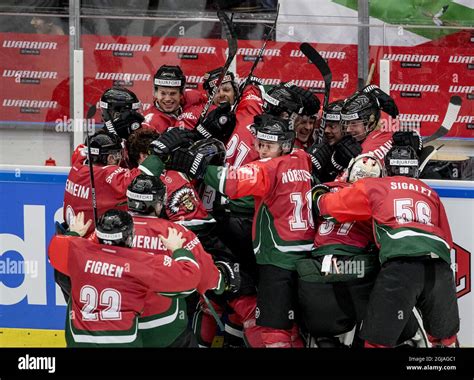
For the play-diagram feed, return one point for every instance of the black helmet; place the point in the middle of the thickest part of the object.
(103, 144)
(281, 99)
(212, 149)
(115, 227)
(333, 111)
(361, 106)
(210, 79)
(169, 76)
(116, 101)
(144, 193)
(274, 129)
(402, 160)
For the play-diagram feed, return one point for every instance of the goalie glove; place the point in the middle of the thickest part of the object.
(320, 155)
(411, 138)
(219, 123)
(230, 274)
(387, 104)
(344, 151)
(311, 103)
(171, 140)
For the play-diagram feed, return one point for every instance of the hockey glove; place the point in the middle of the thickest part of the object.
(124, 125)
(311, 103)
(219, 123)
(231, 275)
(316, 192)
(344, 151)
(387, 104)
(320, 155)
(411, 138)
(190, 163)
(171, 140)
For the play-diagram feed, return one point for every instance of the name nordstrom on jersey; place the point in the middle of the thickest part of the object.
(30, 74)
(412, 57)
(46, 45)
(295, 175)
(122, 47)
(123, 76)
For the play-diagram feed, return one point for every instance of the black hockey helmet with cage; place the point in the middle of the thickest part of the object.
(118, 102)
(274, 129)
(115, 227)
(361, 106)
(169, 76)
(210, 79)
(102, 145)
(403, 161)
(144, 192)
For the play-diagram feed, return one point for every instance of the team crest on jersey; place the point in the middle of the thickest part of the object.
(182, 200)
(461, 260)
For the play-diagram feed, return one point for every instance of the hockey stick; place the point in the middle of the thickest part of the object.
(316, 59)
(232, 42)
(258, 58)
(371, 74)
(90, 114)
(449, 119)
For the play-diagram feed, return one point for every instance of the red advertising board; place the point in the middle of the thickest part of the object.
(35, 72)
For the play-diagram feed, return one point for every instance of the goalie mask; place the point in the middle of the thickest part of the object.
(117, 103)
(274, 129)
(144, 193)
(402, 161)
(103, 145)
(115, 227)
(360, 107)
(169, 76)
(364, 166)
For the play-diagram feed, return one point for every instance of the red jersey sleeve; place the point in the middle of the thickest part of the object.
(348, 204)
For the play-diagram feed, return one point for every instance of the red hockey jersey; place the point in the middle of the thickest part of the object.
(283, 229)
(110, 285)
(343, 239)
(111, 184)
(408, 216)
(191, 108)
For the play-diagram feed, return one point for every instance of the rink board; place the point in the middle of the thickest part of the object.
(32, 308)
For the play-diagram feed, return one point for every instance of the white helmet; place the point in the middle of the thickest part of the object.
(364, 166)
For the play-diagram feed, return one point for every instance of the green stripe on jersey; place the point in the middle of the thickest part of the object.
(412, 242)
(271, 249)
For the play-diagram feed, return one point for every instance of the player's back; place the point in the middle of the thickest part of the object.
(109, 286)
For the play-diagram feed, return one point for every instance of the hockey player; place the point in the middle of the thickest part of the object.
(334, 286)
(228, 90)
(164, 322)
(305, 127)
(111, 180)
(414, 239)
(120, 111)
(282, 228)
(171, 101)
(110, 281)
